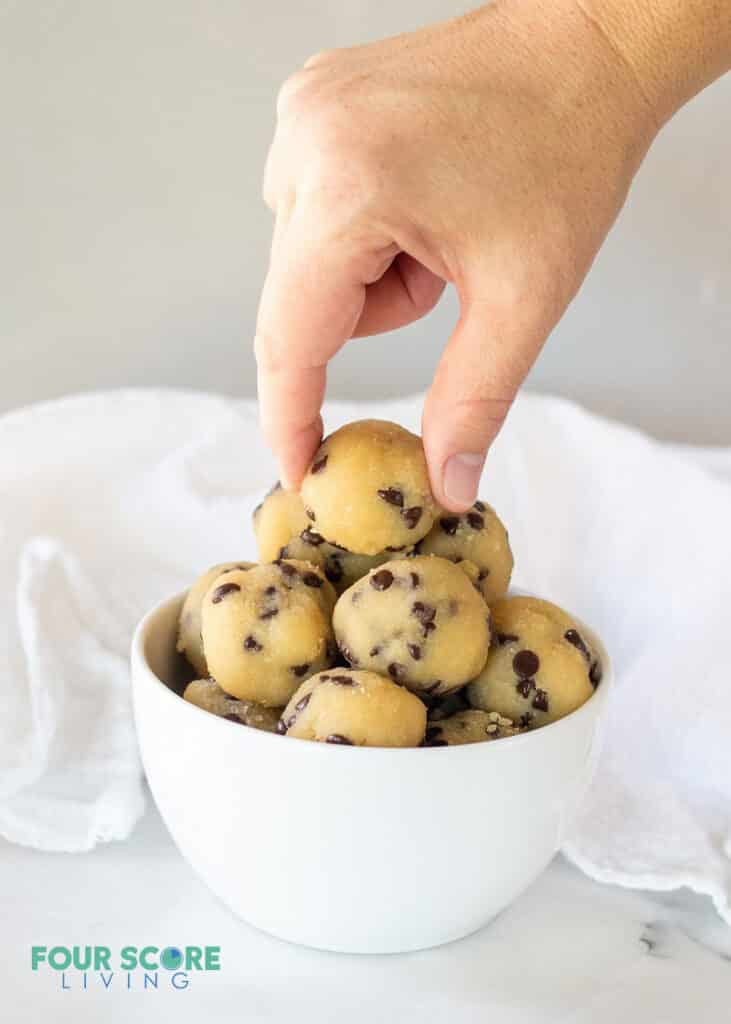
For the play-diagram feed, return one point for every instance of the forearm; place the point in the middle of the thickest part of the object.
(673, 48)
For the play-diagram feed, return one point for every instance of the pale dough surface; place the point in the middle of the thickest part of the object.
(189, 625)
(208, 695)
(367, 488)
(539, 667)
(279, 517)
(267, 629)
(469, 727)
(419, 621)
(479, 537)
(354, 708)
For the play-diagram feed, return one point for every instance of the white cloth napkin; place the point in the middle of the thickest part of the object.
(111, 501)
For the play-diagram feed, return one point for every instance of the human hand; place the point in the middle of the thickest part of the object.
(493, 152)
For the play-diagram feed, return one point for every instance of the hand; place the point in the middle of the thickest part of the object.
(493, 152)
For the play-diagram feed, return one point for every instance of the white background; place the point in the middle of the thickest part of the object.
(134, 241)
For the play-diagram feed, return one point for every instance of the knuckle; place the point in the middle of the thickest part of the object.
(320, 58)
(292, 92)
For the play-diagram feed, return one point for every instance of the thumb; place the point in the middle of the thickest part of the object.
(485, 362)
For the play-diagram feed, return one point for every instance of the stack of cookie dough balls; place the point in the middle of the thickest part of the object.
(376, 618)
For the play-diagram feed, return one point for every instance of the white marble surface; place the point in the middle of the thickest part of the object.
(569, 951)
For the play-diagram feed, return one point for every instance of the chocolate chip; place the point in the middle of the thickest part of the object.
(393, 496)
(525, 720)
(506, 638)
(575, 639)
(399, 547)
(526, 663)
(540, 701)
(415, 579)
(312, 537)
(302, 704)
(287, 570)
(382, 579)
(281, 727)
(342, 681)
(480, 506)
(396, 671)
(220, 592)
(252, 644)
(449, 524)
(335, 737)
(348, 655)
(299, 670)
(236, 568)
(270, 591)
(482, 575)
(374, 652)
(269, 613)
(231, 717)
(311, 579)
(310, 513)
(411, 516)
(415, 651)
(448, 705)
(595, 673)
(475, 520)
(425, 613)
(524, 687)
(334, 570)
(319, 465)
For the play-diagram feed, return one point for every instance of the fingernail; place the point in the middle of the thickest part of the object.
(462, 477)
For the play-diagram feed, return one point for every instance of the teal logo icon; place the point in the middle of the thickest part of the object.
(171, 958)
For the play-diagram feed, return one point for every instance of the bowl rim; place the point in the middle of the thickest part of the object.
(590, 708)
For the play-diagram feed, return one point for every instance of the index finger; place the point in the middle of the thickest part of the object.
(311, 302)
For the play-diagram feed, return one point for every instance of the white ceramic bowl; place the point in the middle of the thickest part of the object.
(355, 849)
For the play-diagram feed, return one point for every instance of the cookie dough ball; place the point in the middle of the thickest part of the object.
(419, 621)
(479, 537)
(267, 629)
(469, 727)
(280, 517)
(536, 671)
(359, 709)
(189, 625)
(368, 488)
(208, 695)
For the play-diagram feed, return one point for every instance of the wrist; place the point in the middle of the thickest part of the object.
(672, 48)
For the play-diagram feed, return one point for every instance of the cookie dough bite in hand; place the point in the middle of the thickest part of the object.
(355, 709)
(469, 727)
(267, 629)
(536, 671)
(419, 621)
(189, 640)
(367, 488)
(208, 695)
(479, 537)
(279, 517)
